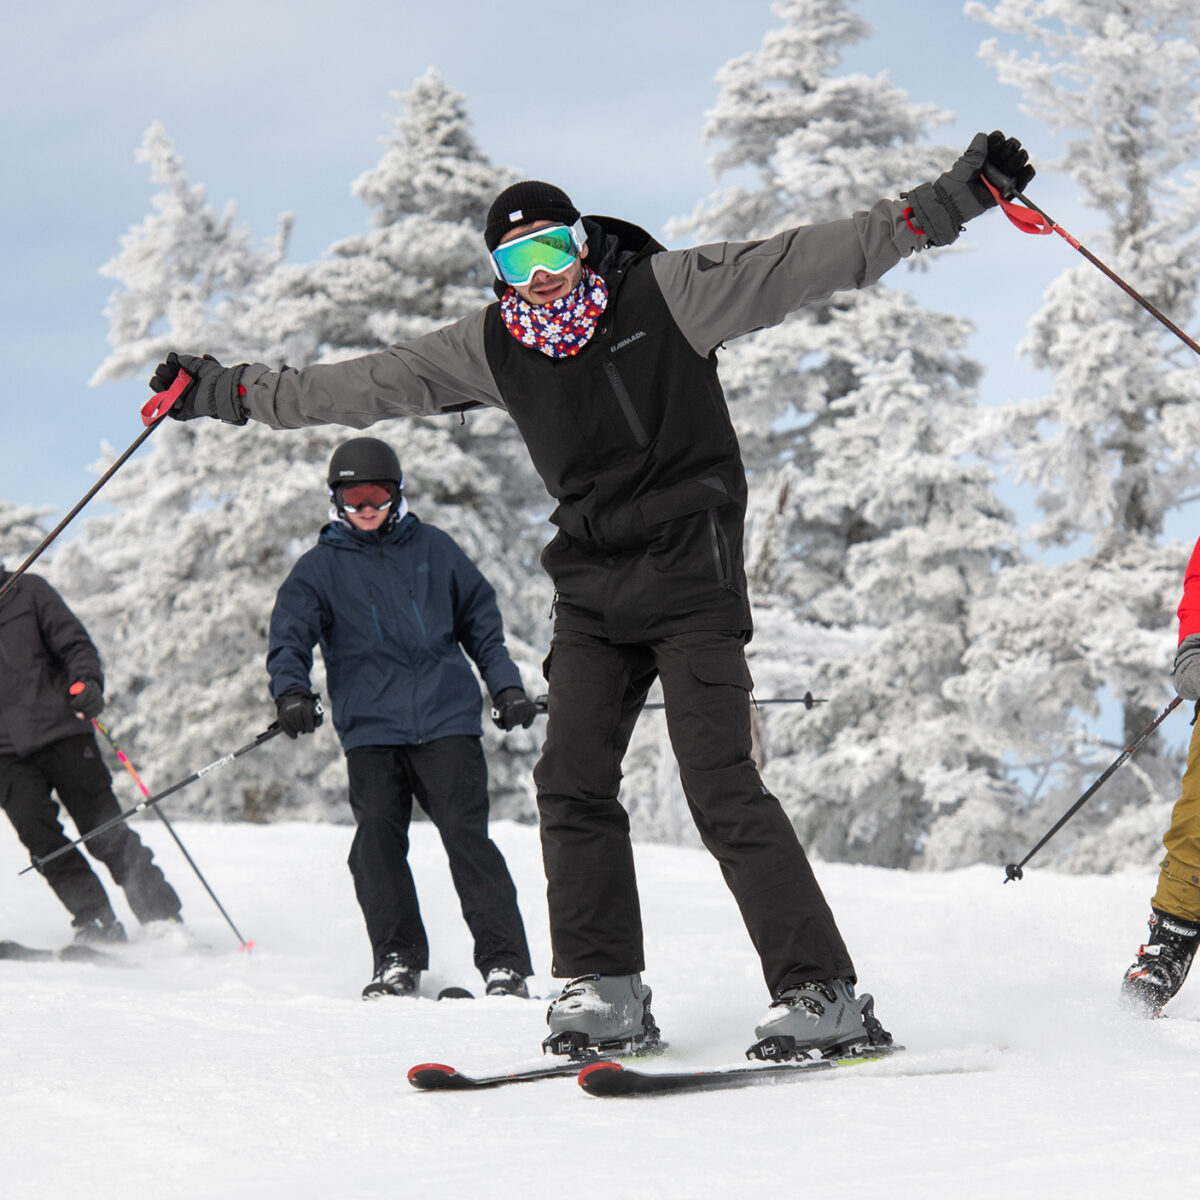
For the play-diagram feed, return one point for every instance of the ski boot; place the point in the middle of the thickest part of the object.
(820, 1018)
(393, 977)
(1161, 965)
(602, 1014)
(98, 931)
(504, 981)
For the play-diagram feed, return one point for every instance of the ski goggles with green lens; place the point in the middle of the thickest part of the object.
(551, 249)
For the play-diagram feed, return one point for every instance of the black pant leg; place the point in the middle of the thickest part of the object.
(596, 692)
(84, 786)
(25, 796)
(706, 686)
(381, 800)
(449, 779)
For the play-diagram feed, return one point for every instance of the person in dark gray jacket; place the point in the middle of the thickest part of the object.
(602, 347)
(393, 604)
(47, 746)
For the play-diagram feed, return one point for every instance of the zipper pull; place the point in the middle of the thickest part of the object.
(553, 605)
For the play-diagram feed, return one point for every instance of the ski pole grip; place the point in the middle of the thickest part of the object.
(162, 402)
(1006, 185)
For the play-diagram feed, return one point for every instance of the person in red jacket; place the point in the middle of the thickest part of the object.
(47, 745)
(1162, 963)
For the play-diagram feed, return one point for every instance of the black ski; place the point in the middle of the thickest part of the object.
(437, 1077)
(75, 952)
(614, 1079)
(455, 993)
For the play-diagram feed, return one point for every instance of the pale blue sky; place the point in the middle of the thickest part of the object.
(279, 106)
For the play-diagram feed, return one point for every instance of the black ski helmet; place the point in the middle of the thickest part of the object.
(364, 460)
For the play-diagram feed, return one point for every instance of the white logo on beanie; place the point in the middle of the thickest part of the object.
(516, 214)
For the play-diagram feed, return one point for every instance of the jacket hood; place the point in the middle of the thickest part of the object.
(614, 243)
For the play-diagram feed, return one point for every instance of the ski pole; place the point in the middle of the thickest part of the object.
(541, 703)
(162, 816)
(1032, 219)
(272, 730)
(153, 413)
(1013, 870)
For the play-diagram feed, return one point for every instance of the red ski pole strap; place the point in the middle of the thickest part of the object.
(161, 402)
(1025, 219)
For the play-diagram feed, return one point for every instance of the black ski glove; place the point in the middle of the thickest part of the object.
(512, 708)
(88, 701)
(1008, 164)
(299, 712)
(1186, 675)
(213, 391)
(941, 209)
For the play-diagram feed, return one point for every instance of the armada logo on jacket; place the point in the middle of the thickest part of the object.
(633, 337)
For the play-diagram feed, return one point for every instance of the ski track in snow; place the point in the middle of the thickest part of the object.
(226, 1074)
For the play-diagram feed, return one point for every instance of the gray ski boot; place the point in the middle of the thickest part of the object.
(819, 1018)
(602, 1014)
(1162, 964)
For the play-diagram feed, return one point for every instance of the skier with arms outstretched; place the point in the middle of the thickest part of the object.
(602, 347)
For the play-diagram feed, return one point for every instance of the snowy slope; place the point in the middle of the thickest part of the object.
(261, 1075)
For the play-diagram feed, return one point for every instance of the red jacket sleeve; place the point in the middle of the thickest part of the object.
(1189, 606)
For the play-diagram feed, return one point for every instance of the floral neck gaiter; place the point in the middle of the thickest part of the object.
(563, 327)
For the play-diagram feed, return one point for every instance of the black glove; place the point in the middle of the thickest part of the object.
(299, 712)
(88, 701)
(213, 391)
(1186, 675)
(512, 708)
(1007, 164)
(941, 209)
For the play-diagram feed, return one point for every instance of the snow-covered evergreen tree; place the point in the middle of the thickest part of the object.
(870, 538)
(1112, 447)
(204, 529)
(21, 532)
(185, 272)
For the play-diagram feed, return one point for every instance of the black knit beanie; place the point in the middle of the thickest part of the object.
(528, 201)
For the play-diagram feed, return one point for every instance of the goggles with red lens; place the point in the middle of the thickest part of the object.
(551, 249)
(366, 495)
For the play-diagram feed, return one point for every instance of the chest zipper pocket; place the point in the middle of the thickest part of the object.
(375, 617)
(412, 599)
(626, 402)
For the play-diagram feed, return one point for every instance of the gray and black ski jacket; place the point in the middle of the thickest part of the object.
(631, 436)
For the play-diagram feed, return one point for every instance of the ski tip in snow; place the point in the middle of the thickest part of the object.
(430, 1077)
(455, 993)
(72, 952)
(600, 1078)
(24, 953)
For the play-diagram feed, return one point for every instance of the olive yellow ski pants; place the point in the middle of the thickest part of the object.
(1179, 875)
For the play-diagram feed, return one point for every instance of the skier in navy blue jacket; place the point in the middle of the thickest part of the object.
(393, 604)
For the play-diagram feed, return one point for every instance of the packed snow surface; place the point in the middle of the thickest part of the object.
(199, 1070)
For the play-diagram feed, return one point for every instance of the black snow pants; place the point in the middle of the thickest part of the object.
(596, 692)
(448, 778)
(74, 770)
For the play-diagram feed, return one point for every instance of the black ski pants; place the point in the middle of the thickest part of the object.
(448, 778)
(74, 770)
(596, 692)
